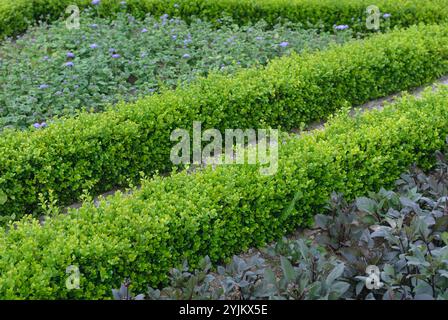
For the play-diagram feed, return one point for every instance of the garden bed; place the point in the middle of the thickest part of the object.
(15, 16)
(52, 71)
(330, 260)
(218, 212)
(94, 109)
(98, 152)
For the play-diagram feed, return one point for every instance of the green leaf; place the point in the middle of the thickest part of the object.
(335, 273)
(3, 197)
(288, 270)
(340, 287)
(366, 205)
(269, 276)
(445, 237)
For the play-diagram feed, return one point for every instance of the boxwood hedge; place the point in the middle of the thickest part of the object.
(218, 212)
(97, 152)
(16, 15)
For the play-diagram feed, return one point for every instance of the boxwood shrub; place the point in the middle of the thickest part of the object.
(16, 15)
(97, 152)
(172, 53)
(218, 212)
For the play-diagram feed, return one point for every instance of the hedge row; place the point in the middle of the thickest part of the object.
(218, 212)
(16, 15)
(98, 152)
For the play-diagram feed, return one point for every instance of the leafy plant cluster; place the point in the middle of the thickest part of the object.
(314, 276)
(404, 233)
(16, 16)
(220, 211)
(97, 152)
(55, 71)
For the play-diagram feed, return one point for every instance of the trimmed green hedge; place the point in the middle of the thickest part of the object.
(16, 15)
(98, 152)
(218, 212)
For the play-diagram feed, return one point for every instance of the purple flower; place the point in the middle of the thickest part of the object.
(69, 64)
(284, 44)
(93, 46)
(70, 55)
(386, 15)
(341, 27)
(144, 30)
(186, 56)
(96, 2)
(112, 50)
(45, 58)
(174, 37)
(259, 38)
(43, 86)
(94, 26)
(116, 56)
(143, 55)
(38, 125)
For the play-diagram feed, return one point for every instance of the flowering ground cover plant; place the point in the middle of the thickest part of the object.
(53, 71)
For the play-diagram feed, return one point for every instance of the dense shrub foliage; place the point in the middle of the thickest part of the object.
(16, 15)
(55, 71)
(97, 152)
(404, 233)
(218, 212)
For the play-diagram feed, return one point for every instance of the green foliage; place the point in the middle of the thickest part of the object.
(38, 85)
(98, 152)
(402, 232)
(16, 15)
(218, 212)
